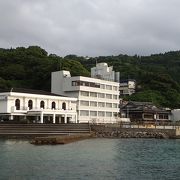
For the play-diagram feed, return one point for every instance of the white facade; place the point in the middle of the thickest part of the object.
(97, 99)
(38, 107)
(175, 114)
(102, 71)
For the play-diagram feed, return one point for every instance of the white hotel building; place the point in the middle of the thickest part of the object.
(97, 96)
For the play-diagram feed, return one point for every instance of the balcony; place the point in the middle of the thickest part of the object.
(37, 109)
(50, 110)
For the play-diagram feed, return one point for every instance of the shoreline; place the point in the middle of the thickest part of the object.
(42, 135)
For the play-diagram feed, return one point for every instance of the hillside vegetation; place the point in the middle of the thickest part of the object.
(157, 76)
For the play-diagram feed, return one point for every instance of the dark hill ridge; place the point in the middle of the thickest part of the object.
(157, 76)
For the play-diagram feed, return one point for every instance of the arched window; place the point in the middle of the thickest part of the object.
(17, 104)
(53, 105)
(42, 104)
(64, 105)
(30, 104)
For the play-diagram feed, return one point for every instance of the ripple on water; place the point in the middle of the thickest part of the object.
(91, 159)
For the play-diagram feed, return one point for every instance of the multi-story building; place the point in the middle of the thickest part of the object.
(97, 96)
(36, 106)
(127, 87)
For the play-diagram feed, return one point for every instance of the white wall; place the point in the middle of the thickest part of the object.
(3, 104)
(102, 71)
(175, 114)
(57, 79)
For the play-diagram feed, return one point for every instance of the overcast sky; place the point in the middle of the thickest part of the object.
(91, 27)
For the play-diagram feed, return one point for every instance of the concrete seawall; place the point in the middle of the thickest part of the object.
(120, 132)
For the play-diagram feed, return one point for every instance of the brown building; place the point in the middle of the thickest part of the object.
(144, 112)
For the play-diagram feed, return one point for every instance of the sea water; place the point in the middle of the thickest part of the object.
(91, 159)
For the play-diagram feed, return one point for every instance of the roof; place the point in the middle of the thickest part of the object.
(30, 91)
(142, 106)
(137, 103)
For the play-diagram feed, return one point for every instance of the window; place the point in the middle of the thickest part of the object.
(101, 104)
(93, 103)
(101, 114)
(115, 88)
(163, 116)
(30, 104)
(109, 105)
(93, 94)
(115, 105)
(115, 96)
(102, 86)
(109, 96)
(101, 95)
(148, 116)
(85, 83)
(42, 104)
(84, 93)
(84, 103)
(108, 87)
(93, 113)
(64, 105)
(73, 83)
(108, 114)
(17, 104)
(53, 105)
(84, 113)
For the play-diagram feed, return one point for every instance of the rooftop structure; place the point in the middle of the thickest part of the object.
(102, 71)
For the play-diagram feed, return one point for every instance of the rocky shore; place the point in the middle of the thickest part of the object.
(140, 134)
(108, 131)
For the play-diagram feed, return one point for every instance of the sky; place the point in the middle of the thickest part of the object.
(91, 27)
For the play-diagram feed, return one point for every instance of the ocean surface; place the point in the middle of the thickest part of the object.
(91, 159)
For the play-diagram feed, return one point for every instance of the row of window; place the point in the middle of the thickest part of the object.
(96, 113)
(151, 116)
(99, 95)
(85, 83)
(96, 85)
(41, 105)
(98, 104)
(163, 116)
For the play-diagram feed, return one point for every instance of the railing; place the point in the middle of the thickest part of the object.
(149, 126)
(170, 125)
(26, 109)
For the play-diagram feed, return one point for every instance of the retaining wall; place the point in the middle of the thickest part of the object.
(119, 132)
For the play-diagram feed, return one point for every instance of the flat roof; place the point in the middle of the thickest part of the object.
(29, 91)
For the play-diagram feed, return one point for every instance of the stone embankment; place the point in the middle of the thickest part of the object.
(119, 132)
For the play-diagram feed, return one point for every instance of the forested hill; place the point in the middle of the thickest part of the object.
(157, 76)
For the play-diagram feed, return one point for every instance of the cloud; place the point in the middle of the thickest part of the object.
(91, 27)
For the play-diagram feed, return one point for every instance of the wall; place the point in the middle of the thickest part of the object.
(119, 132)
(175, 114)
(3, 104)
